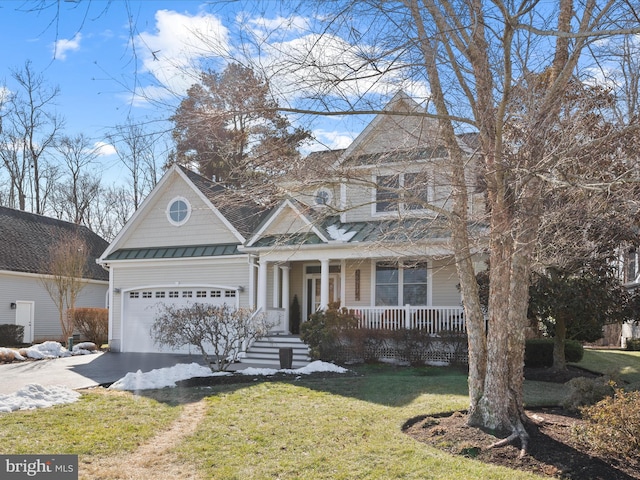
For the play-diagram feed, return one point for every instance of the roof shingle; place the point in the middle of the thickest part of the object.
(26, 239)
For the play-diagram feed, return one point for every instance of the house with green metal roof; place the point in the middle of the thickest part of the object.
(364, 227)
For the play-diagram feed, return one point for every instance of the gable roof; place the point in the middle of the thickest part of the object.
(400, 103)
(303, 212)
(26, 239)
(242, 211)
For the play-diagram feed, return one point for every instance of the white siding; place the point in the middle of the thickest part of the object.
(445, 291)
(230, 272)
(27, 287)
(287, 222)
(152, 229)
(365, 283)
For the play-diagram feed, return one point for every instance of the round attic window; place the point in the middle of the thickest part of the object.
(323, 197)
(178, 211)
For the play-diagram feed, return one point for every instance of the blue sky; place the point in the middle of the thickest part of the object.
(98, 58)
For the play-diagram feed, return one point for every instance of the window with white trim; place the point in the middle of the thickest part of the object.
(401, 284)
(174, 294)
(178, 211)
(387, 193)
(230, 293)
(201, 294)
(160, 294)
(403, 191)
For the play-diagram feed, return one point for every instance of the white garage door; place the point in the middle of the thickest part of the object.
(140, 307)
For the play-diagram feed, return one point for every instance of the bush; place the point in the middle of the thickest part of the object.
(612, 426)
(11, 334)
(539, 352)
(334, 336)
(633, 344)
(324, 333)
(92, 323)
(573, 351)
(587, 391)
(220, 332)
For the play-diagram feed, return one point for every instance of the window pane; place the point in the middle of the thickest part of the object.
(386, 295)
(386, 274)
(417, 274)
(387, 193)
(416, 192)
(415, 294)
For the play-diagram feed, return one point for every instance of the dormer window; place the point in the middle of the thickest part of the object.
(323, 197)
(403, 191)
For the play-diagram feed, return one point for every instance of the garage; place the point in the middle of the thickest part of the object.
(140, 307)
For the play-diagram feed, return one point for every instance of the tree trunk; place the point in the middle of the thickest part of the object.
(559, 360)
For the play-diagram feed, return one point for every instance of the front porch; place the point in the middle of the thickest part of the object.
(383, 294)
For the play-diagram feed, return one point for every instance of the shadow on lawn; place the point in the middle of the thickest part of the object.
(381, 384)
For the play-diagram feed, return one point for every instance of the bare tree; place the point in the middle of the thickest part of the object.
(65, 278)
(33, 129)
(134, 147)
(475, 59)
(80, 186)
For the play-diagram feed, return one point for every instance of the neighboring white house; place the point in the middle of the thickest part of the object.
(25, 242)
(370, 245)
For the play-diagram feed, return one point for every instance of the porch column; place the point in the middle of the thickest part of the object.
(324, 284)
(262, 286)
(252, 282)
(276, 286)
(285, 296)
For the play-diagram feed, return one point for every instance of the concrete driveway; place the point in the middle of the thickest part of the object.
(85, 371)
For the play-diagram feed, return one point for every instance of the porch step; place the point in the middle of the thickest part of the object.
(266, 351)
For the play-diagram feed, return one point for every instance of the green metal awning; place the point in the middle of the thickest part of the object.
(174, 252)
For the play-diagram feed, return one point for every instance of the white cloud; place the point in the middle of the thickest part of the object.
(318, 66)
(103, 149)
(62, 46)
(173, 52)
(333, 140)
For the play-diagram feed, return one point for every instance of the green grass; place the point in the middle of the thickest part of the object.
(98, 424)
(624, 365)
(343, 427)
(338, 428)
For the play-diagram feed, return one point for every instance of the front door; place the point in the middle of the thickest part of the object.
(313, 292)
(24, 317)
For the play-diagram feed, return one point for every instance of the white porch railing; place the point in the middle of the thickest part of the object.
(431, 319)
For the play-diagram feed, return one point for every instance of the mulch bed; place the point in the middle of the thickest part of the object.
(553, 451)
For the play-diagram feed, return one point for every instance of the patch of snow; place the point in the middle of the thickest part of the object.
(167, 377)
(162, 377)
(8, 352)
(339, 233)
(313, 367)
(47, 350)
(36, 396)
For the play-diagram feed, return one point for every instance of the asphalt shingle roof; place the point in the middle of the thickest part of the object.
(242, 211)
(26, 239)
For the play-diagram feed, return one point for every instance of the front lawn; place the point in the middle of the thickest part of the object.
(340, 426)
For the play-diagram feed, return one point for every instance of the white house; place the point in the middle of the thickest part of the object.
(353, 227)
(25, 242)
